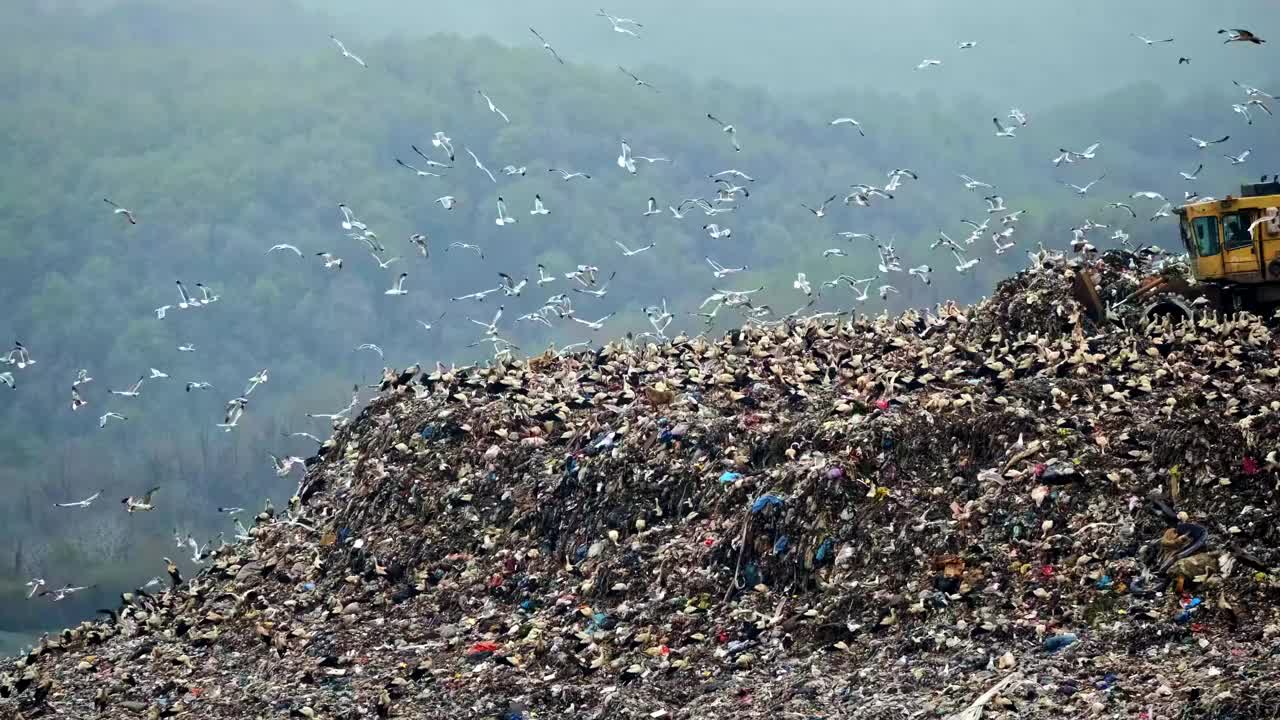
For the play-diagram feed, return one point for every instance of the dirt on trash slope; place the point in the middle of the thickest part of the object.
(1000, 511)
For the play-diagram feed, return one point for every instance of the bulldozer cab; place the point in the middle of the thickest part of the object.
(1235, 240)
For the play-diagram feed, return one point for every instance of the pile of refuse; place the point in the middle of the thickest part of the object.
(1005, 510)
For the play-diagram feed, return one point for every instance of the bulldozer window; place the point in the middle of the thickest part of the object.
(1185, 228)
(1206, 236)
(1235, 228)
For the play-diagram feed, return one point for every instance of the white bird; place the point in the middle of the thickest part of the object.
(434, 163)
(493, 108)
(651, 160)
(162, 311)
(1252, 92)
(1150, 42)
(720, 271)
(491, 327)
(6, 378)
(1002, 131)
(1244, 111)
(1162, 212)
(503, 218)
(967, 45)
(733, 173)
(188, 347)
(618, 24)
(1064, 157)
(448, 202)
(284, 246)
(330, 261)
(466, 246)
(128, 214)
(1084, 189)
(157, 375)
(627, 252)
(477, 296)
(420, 173)
(419, 241)
(600, 291)
(1123, 206)
(928, 63)
(972, 184)
(922, 272)
(186, 301)
(80, 503)
(624, 159)
(510, 287)
(715, 232)
(35, 584)
(443, 142)
(995, 204)
(260, 379)
(1018, 116)
(597, 325)
(370, 346)
(638, 81)
(821, 209)
(849, 121)
(199, 385)
(1012, 217)
(82, 378)
(885, 290)
(543, 277)
(285, 465)
(398, 288)
(1088, 153)
(133, 391)
(347, 53)
(1202, 144)
(1238, 159)
(653, 208)
(383, 265)
(481, 166)
(427, 325)
(802, 284)
(1192, 175)
(727, 129)
(547, 46)
(834, 252)
(1148, 194)
(510, 170)
(962, 265)
(856, 236)
(567, 176)
(1000, 249)
(102, 421)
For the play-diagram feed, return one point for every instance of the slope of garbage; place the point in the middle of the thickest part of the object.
(1005, 510)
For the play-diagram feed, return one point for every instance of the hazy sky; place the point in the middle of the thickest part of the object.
(814, 44)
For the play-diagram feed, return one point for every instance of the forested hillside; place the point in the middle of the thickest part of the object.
(225, 143)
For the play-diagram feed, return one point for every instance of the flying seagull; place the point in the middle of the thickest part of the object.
(421, 173)
(972, 184)
(653, 208)
(281, 246)
(199, 385)
(102, 421)
(503, 218)
(627, 252)
(80, 503)
(1240, 35)
(567, 176)
(481, 166)
(186, 302)
(1148, 41)
(433, 163)
(466, 246)
(77, 402)
(849, 121)
(619, 23)
(448, 202)
(370, 346)
(547, 46)
(1084, 189)
(1192, 175)
(1001, 130)
(538, 207)
(347, 53)
(6, 378)
(494, 108)
(128, 214)
(821, 210)
(624, 159)
(1123, 206)
(444, 142)
(728, 129)
(398, 288)
(140, 504)
(1202, 144)
(927, 63)
(134, 391)
(966, 45)
(383, 264)
(1238, 159)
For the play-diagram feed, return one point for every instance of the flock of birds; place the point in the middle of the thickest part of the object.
(587, 283)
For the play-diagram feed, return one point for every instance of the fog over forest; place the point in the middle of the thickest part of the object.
(230, 127)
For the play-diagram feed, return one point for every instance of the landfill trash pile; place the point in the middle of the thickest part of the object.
(1005, 510)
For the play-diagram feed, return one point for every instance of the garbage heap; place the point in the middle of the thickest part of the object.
(1002, 511)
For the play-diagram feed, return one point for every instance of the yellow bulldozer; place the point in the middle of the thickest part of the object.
(1233, 248)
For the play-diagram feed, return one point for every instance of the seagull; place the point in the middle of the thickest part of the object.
(285, 465)
(922, 272)
(650, 160)
(1088, 153)
(481, 166)
(728, 129)
(6, 378)
(425, 325)
(653, 208)
(102, 421)
(927, 63)
(802, 284)
(513, 170)
(199, 385)
(547, 46)
(834, 252)
(1242, 110)
(1238, 159)
(822, 209)
(599, 292)
(62, 592)
(1240, 35)
(1162, 212)
(1065, 157)
(618, 23)
(972, 184)
(383, 265)
(347, 53)
(493, 108)
(967, 45)
(79, 503)
(448, 202)
(128, 214)
(1257, 102)
(157, 375)
(1148, 194)
(370, 346)
(733, 173)
(626, 252)
(82, 378)
(466, 246)
(330, 261)
(720, 271)
(638, 81)
(1012, 217)
(162, 311)
(1123, 206)
(962, 265)
(624, 159)
(283, 246)
(851, 236)
(1002, 131)
(1018, 116)
(419, 241)
(491, 327)
(1202, 144)
(398, 288)
(259, 379)
(142, 504)
(421, 173)
(1084, 189)
(1000, 249)
(433, 163)
(189, 347)
(995, 204)
(1192, 175)
(885, 290)
(1148, 41)
(543, 277)
(510, 287)
(849, 121)
(1252, 92)
(567, 176)
(444, 142)
(715, 232)
(597, 325)
(186, 302)
(35, 585)
(503, 218)
(134, 391)
(477, 296)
